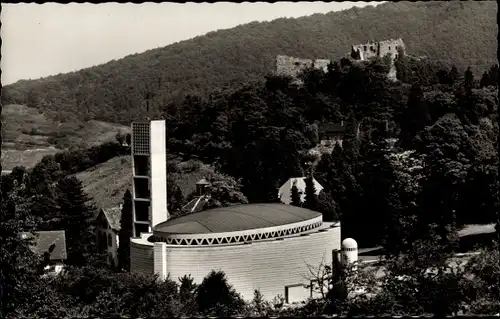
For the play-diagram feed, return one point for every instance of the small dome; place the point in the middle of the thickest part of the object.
(349, 243)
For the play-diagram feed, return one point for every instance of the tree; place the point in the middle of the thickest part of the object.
(327, 206)
(19, 266)
(216, 297)
(295, 195)
(486, 270)
(99, 292)
(375, 179)
(447, 151)
(175, 198)
(466, 100)
(126, 232)
(223, 191)
(310, 201)
(187, 295)
(75, 213)
(415, 117)
(422, 280)
(399, 229)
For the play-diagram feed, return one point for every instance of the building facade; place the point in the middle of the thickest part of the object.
(270, 247)
(107, 233)
(277, 257)
(149, 170)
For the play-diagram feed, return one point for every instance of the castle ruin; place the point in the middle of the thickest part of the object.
(291, 66)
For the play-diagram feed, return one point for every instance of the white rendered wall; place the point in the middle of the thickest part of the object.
(160, 260)
(267, 265)
(158, 155)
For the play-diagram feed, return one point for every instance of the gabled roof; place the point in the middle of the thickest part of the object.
(285, 191)
(113, 216)
(44, 239)
(331, 128)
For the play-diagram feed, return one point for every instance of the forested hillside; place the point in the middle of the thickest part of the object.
(460, 33)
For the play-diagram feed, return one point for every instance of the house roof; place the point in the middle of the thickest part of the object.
(44, 239)
(202, 182)
(285, 191)
(113, 216)
(236, 218)
(331, 128)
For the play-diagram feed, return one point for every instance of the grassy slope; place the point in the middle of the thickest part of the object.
(107, 182)
(28, 135)
(463, 33)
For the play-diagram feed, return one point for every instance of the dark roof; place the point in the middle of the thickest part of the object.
(331, 128)
(236, 218)
(113, 215)
(44, 239)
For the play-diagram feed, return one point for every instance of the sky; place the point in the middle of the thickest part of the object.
(39, 40)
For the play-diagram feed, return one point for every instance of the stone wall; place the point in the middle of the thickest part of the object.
(373, 49)
(291, 66)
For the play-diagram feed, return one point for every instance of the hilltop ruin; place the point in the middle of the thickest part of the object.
(292, 66)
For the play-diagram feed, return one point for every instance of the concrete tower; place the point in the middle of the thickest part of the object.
(149, 171)
(349, 251)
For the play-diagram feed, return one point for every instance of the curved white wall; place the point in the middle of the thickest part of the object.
(141, 258)
(265, 265)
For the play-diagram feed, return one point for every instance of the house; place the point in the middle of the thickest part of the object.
(52, 242)
(285, 191)
(329, 133)
(107, 232)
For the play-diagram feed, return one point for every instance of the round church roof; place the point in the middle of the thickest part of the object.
(235, 218)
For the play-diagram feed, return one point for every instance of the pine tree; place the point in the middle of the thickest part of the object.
(485, 80)
(310, 191)
(415, 117)
(126, 232)
(466, 100)
(75, 212)
(453, 75)
(295, 196)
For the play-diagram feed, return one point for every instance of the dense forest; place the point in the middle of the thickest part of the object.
(460, 32)
(411, 198)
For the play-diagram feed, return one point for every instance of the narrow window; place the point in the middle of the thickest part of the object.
(109, 240)
(389, 48)
(364, 47)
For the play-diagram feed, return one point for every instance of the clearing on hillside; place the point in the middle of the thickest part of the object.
(29, 135)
